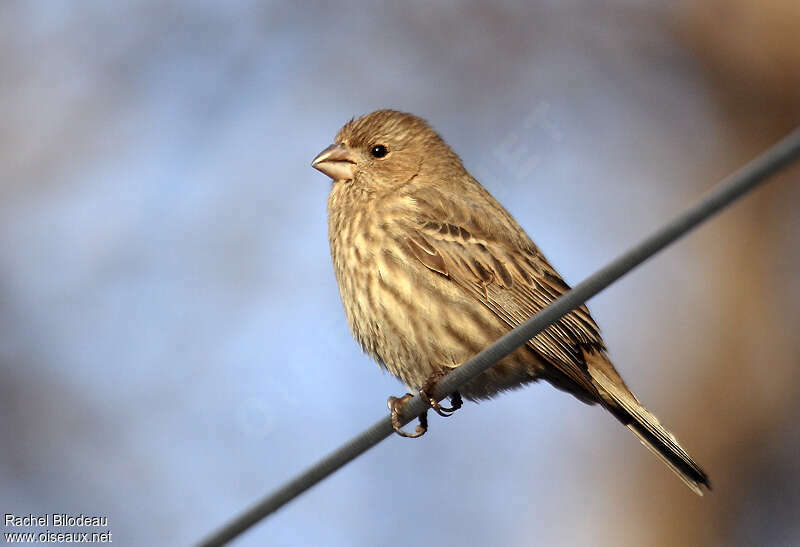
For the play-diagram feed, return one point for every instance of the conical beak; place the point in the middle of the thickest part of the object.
(336, 161)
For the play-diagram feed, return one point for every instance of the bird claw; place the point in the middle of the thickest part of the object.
(395, 405)
(444, 411)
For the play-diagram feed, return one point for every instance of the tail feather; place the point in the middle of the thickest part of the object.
(624, 405)
(674, 457)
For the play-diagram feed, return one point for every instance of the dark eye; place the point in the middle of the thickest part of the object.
(378, 151)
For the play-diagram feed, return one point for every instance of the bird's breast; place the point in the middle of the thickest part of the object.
(353, 241)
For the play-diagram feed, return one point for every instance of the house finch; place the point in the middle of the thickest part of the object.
(432, 269)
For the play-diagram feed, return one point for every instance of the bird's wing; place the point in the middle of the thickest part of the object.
(514, 281)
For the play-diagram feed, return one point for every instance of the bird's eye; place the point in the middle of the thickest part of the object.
(378, 151)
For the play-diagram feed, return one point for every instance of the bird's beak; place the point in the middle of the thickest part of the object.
(336, 161)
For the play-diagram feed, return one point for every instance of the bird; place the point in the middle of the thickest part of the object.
(431, 269)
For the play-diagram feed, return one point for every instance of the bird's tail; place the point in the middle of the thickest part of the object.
(624, 405)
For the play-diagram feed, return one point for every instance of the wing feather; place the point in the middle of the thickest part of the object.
(513, 281)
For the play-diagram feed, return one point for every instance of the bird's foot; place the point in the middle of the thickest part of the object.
(396, 405)
(428, 388)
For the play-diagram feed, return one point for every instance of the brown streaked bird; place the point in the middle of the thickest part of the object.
(432, 269)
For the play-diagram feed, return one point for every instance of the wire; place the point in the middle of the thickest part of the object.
(726, 192)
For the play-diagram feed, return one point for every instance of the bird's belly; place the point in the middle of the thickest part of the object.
(417, 323)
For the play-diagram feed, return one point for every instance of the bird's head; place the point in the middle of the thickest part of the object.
(384, 149)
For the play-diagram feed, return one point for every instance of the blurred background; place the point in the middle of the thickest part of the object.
(172, 345)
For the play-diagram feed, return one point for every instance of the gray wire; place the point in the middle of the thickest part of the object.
(722, 195)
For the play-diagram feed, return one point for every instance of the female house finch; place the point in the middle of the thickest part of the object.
(432, 269)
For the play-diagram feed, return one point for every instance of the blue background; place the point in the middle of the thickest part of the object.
(172, 345)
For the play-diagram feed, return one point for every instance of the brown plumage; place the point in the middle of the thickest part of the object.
(432, 269)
